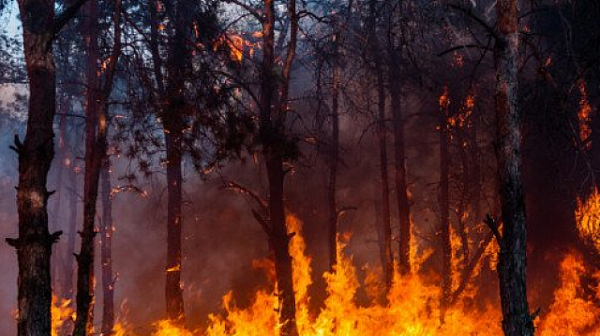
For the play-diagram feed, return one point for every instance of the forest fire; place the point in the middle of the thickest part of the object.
(411, 307)
(300, 168)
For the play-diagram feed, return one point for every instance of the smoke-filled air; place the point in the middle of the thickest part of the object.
(299, 168)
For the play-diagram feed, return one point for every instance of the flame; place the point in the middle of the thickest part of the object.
(412, 307)
(239, 45)
(587, 217)
(61, 312)
(571, 313)
(585, 110)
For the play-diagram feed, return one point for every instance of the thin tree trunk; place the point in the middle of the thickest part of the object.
(400, 167)
(334, 158)
(94, 155)
(444, 201)
(106, 232)
(393, 60)
(475, 178)
(271, 132)
(34, 244)
(56, 223)
(384, 189)
(462, 214)
(512, 261)
(374, 49)
(72, 234)
(174, 124)
(173, 289)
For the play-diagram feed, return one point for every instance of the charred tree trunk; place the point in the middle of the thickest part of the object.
(34, 244)
(173, 289)
(106, 232)
(462, 209)
(85, 259)
(386, 245)
(475, 178)
(57, 280)
(68, 265)
(512, 261)
(334, 157)
(95, 155)
(272, 136)
(444, 200)
(384, 189)
(395, 41)
(173, 126)
(400, 165)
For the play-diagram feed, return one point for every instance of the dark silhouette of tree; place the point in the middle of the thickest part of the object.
(34, 244)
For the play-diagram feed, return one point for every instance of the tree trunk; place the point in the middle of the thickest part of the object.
(57, 280)
(279, 239)
(106, 232)
(384, 189)
(34, 244)
(174, 124)
(381, 130)
(334, 158)
(462, 208)
(72, 234)
(400, 165)
(512, 259)
(272, 133)
(173, 289)
(94, 156)
(444, 201)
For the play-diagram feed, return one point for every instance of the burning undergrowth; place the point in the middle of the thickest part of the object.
(412, 306)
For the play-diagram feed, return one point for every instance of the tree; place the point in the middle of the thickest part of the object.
(106, 232)
(99, 89)
(34, 244)
(512, 257)
(395, 42)
(277, 149)
(444, 199)
(381, 131)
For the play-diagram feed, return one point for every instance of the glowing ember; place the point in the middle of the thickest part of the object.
(585, 110)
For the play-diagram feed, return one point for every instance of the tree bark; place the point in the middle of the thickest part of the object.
(94, 155)
(400, 165)
(106, 232)
(381, 134)
(68, 265)
(57, 280)
(35, 154)
(272, 134)
(334, 156)
(393, 60)
(512, 261)
(444, 201)
(173, 127)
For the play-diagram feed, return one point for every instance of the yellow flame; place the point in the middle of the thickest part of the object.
(570, 313)
(587, 216)
(412, 307)
(61, 312)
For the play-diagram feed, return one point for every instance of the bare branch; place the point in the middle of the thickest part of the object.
(63, 18)
(493, 225)
(245, 191)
